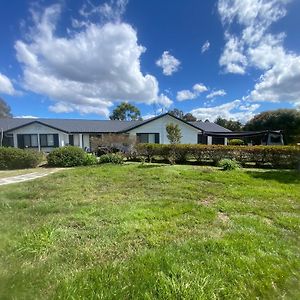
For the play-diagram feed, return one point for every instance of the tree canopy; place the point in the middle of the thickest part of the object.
(287, 120)
(126, 112)
(4, 109)
(173, 133)
(180, 114)
(229, 124)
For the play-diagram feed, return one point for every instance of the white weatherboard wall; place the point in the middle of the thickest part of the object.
(37, 128)
(189, 133)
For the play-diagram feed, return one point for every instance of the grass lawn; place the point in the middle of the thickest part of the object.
(151, 232)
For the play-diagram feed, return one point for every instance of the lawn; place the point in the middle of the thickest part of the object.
(151, 232)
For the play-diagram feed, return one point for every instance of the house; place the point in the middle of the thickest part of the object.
(46, 134)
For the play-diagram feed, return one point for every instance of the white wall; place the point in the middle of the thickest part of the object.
(37, 128)
(189, 133)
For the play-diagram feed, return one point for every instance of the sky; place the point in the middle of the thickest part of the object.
(81, 58)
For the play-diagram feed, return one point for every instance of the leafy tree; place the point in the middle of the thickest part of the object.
(189, 117)
(287, 120)
(229, 124)
(126, 112)
(173, 133)
(180, 114)
(4, 109)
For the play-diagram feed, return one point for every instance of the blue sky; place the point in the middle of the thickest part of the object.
(80, 58)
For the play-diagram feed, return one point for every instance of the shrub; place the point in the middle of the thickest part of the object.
(228, 164)
(90, 159)
(236, 142)
(112, 158)
(68, 156)
(274, 156)
(14, 158)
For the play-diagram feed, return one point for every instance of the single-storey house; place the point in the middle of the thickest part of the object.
(46, 134)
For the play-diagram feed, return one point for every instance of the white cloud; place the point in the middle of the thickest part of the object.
(168, 63)
(198, 88)
(112, 11)
(256, 47)
(6, 86)
(214, 94)
(234, 110)
(205, 47)
(27, 117)
(88, 70)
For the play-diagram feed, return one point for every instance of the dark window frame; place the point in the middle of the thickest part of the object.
(47, 145)
(156, 137)
(30, 140)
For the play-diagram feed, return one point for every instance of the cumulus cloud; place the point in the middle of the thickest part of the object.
(214, 94)
(205, 47)
(87, 70)
(256, 47)
(198, 88)
(168, 63)
(235, 110)
(6, 86)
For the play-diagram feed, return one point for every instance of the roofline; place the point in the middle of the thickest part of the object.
(36, 121)
(158, 117)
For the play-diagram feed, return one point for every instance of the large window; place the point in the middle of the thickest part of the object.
(27, 140)
(152, 138)
(47, 140)
(202, 139)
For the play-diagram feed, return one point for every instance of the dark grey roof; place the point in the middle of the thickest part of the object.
(94, 126)
(209, 126)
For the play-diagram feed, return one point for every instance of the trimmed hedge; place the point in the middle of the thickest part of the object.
(113, 158)
(274, 156)
(70, 156)
(14, 158)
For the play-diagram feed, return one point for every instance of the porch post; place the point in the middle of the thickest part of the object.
(80, 140)
(39, 143)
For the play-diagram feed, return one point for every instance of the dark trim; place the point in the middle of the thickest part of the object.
(235, 134)
(156, 136)
(156, 118)
(39, 122)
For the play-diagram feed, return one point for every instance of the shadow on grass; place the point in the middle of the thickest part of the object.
(152, 166)
(282, 176)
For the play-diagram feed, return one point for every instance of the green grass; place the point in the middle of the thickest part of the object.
(151, 232)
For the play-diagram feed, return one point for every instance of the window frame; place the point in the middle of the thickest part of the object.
(47, 145)
(156, 137)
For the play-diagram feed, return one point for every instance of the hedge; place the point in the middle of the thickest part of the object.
(14, 158)
(70, 156)
(274, 156)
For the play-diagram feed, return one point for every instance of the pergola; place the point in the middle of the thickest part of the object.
(271, 137)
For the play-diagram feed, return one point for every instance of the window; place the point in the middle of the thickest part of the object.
(218, 140)
(8, 140)
(47, 140)
(152, 138)
(202, 139)
(29, 140)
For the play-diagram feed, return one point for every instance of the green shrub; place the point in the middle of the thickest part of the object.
(236, 142)
(14, 158)
(273, 156)
(69, 156)
(113, 158)
(228, 164)
(90, 159)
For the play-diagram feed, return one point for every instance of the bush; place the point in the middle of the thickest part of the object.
(14, 158)
(236, 142)
(69, 156)
(272, 156)
(90, 159)
(111, 158)
(228, 164)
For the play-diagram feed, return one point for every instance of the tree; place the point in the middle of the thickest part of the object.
(173, 133)
(180, 114)
(287, 120)
(229, 124)
(126, 112)
(189, 117)
(4, 109)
